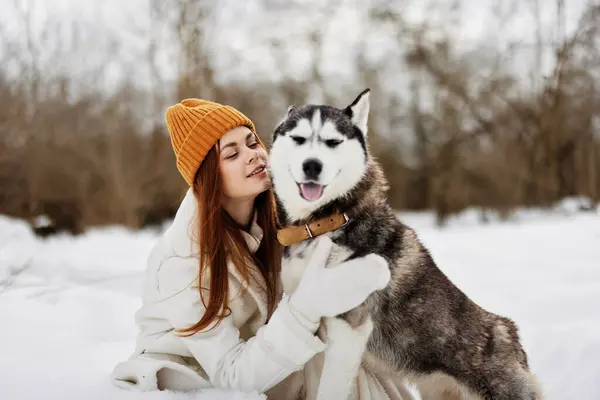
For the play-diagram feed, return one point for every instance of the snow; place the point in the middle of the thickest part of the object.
(67, 304)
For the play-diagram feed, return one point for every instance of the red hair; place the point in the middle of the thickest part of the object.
(220, 238)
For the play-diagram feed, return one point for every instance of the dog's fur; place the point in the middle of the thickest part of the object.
(421, 326)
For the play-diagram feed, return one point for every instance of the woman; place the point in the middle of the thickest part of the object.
(213, 314)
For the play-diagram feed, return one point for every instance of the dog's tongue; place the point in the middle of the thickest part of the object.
(311, 191)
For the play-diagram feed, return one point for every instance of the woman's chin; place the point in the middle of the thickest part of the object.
(261, 188)
(266, 183)
(266, 186)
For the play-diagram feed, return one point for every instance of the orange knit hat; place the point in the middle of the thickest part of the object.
(195, 126)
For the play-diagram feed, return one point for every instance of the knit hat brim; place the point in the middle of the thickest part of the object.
(215, 124)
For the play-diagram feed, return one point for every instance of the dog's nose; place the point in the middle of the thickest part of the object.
(312, 168)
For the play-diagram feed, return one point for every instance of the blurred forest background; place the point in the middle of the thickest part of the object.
(503, 115)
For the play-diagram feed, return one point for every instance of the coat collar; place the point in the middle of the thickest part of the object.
(254, 236)
(256, 284)
(184, 240)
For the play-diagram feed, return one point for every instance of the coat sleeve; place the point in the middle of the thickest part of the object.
(280, 347)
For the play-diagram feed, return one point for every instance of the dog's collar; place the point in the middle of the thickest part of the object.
(296, 234)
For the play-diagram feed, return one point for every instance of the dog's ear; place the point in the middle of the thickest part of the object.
(285, 117)
(358, 111)
(290, 110)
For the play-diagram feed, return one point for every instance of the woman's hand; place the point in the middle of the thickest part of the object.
(327, 292)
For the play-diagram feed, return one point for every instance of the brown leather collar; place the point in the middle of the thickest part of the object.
(295, 234)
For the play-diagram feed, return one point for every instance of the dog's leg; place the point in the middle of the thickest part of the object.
(505, 383)
(498, 384)
(435, 394)
(343, 356)
(439, 386)
(505, 374)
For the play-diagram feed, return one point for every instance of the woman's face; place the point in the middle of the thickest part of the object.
(243, 164)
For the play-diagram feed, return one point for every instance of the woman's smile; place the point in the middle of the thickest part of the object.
(259, 171)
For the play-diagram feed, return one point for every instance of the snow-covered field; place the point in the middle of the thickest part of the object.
(67, 304)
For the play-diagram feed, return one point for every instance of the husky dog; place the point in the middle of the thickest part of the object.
(421, 326)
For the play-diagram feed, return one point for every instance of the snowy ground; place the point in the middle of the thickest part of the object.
(67, 318)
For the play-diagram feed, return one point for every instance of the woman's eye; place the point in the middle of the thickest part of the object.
(231, 156)
(252, 145)
(333, 142)
(299, 139)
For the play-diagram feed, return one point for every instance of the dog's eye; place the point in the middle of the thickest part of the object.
(299, 139)
(333, 142)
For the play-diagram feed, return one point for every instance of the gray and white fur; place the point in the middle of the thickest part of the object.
(421, 326)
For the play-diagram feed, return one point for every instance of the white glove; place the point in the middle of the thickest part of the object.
(328, 292)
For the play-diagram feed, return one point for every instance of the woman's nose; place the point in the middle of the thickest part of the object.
(253, 156)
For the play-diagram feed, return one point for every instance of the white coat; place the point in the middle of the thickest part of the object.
(242, 353)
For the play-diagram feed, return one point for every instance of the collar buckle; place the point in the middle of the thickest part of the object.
(346, 219)
(310, 234)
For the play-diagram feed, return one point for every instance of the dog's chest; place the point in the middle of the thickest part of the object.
(293, 265)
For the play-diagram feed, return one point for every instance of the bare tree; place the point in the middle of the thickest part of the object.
(458, 128)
